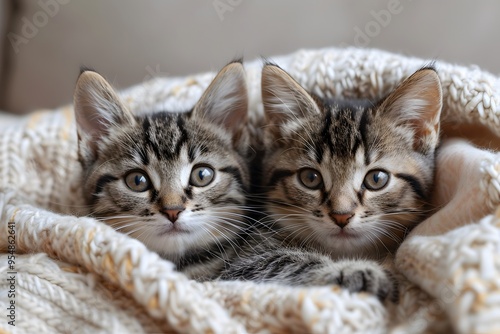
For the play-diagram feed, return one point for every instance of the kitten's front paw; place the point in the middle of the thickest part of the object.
(357, 276)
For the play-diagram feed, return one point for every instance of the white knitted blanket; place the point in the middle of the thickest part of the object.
(64, 274)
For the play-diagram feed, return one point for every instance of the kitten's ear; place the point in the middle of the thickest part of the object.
(97, 107)
(283, 98)
(225, 101)
(416, 103)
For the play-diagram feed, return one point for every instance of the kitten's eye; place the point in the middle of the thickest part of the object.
(201, 176)
(310, 178)
(137, 181)
(376, 179)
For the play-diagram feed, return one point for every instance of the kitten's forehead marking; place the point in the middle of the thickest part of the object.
(164, 134)
(339, 133)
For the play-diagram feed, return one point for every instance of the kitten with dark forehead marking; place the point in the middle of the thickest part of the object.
(350, 177)
(175, 181)
(342, 182)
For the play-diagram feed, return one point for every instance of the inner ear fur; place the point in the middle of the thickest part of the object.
(416, 104)
(225, 101)
(284, 98)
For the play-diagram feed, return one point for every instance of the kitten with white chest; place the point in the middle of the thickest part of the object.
(175, 181)
(342, 182)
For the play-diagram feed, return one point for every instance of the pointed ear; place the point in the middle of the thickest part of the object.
(416, 104)
(97, 107)
(225, 102)
(283, 98)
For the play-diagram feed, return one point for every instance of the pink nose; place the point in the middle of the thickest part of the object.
(172, 213)
(341, 219)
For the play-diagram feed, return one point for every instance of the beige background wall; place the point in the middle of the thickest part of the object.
(130, 41)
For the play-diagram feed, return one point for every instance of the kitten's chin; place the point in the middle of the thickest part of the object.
(173, 230)
(349, 243)
(345, 235)
(165, 238)
(171, 244)
(343, 242)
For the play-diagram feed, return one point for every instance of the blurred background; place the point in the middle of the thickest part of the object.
(46, 41)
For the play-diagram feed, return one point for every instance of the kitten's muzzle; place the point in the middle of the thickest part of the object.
(172, 213)
(341, 219)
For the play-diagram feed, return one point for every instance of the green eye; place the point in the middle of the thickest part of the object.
(310, 178)
(376, 179)
(201, 176)
(138, 181)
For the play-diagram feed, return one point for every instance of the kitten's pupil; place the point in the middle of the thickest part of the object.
(312, 177)
(139, 179)
(204, 172)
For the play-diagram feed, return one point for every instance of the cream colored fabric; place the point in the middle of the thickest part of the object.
(79, 275)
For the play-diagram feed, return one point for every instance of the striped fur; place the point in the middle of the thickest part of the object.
(352, 147)
(343, 141)
(197, 227)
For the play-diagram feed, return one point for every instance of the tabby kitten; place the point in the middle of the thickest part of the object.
(175, 181)
(343, 182)
(349, 178)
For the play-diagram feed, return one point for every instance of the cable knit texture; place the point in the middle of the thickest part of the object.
(76, 275)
